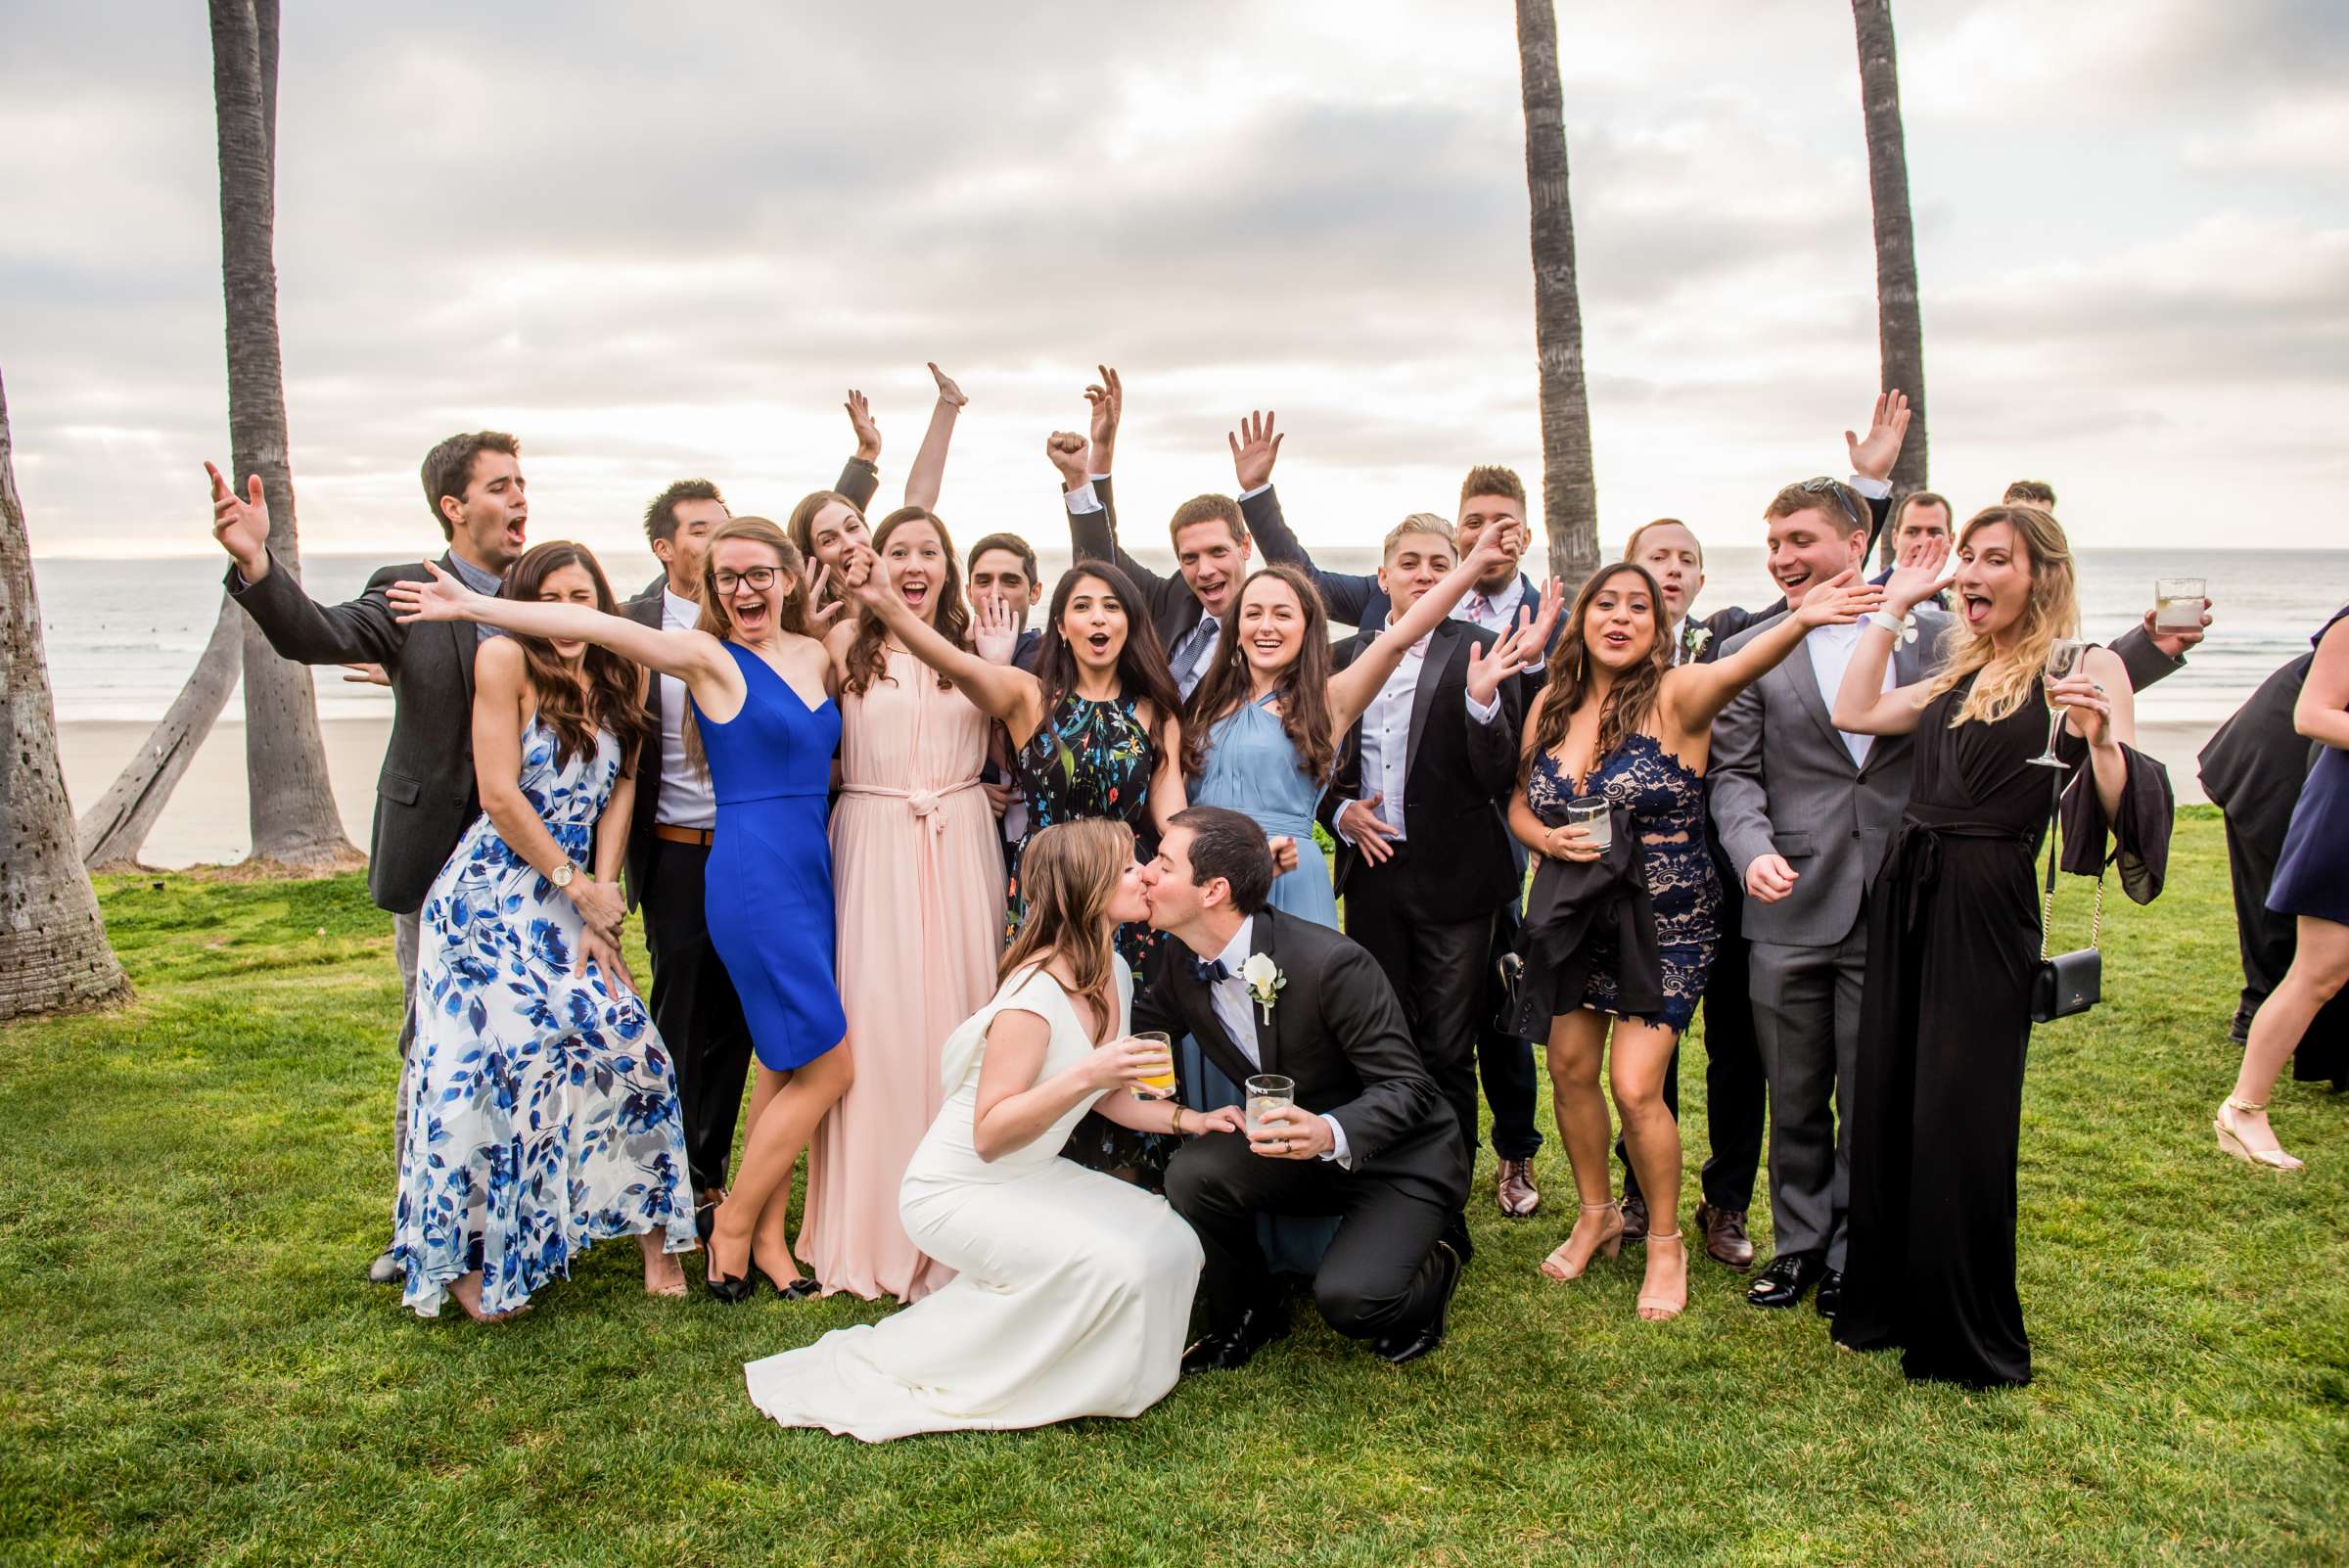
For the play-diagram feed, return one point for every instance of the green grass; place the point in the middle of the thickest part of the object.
(195, 1372)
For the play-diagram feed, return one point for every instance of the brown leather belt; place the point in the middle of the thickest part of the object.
(684, 835)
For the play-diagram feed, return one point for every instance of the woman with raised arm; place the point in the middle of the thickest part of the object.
(1272, 711)
(919, 869)
(543, 1105)
(1622, 728)
(826, 524)
(1095, 732)
(1954, 931)
(1074, 1291)
(763, 716)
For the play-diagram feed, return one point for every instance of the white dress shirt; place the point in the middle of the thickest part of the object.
(1236, 1011)
(687, 799)
(1387, 734)
(1680, 640)
(1830, 649)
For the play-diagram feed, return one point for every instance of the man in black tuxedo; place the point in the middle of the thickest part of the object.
(1369, 1139)
(425, 795)
(1423, 851)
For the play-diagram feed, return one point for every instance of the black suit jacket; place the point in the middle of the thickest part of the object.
(1339, 1033)
(425, 796)
(646, 611)
(1168, 602)
(2254, 765)
(1454, 861)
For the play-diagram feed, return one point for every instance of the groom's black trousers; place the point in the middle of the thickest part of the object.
(1379, 1275)
(695, 1008)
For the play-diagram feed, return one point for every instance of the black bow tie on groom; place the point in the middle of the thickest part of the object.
(1209, 970)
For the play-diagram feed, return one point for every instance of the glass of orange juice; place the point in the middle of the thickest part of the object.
(1158, 1085)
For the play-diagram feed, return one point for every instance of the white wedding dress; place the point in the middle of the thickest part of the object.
(1072, 1292)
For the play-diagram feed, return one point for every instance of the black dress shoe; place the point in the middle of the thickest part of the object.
(1229, 1349)
(1787, 1280)
(1409, 1347)
(1829, 1300)
(385, 1269)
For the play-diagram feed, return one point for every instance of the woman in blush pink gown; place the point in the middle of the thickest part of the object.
(919, 865)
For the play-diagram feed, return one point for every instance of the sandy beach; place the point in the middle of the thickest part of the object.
(206, 821)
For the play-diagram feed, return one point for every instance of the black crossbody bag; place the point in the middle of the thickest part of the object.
(2072, 982)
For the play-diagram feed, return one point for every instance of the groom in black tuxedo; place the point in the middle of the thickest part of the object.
(1370, 1138)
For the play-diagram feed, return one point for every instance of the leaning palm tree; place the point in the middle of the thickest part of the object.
(291, 801)
(1569, 489)
(1900, 331)
(54, 954)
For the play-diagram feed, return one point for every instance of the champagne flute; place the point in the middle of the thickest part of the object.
(2063, 657)
(1158, 1085)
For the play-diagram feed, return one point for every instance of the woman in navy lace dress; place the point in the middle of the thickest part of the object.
(1620, 721)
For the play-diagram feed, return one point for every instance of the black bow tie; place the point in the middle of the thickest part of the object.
(1210, 970)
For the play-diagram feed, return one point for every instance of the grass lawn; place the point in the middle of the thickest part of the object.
(195, 1372)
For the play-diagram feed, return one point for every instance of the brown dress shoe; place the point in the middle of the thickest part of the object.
(1515, 1189)
(1726, 1240)
(1634, 1217)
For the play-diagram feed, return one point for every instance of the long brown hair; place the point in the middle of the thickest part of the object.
(865, 661)
(1142, 663)
(1631, 702)
(1067, 873)
(2004, 682)
(800, 526)
(790, 609)
(603, 689)
(1303, 688)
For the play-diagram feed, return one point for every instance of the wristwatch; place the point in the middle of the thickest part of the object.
(561, 876)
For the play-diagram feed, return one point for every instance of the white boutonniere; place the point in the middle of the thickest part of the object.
(1698, 636)
(1264, 980)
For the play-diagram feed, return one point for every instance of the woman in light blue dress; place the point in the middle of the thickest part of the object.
(1252, 767)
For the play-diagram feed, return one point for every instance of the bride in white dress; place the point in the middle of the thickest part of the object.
(1072, 1293)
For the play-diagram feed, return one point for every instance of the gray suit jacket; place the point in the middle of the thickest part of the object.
(1783, 782)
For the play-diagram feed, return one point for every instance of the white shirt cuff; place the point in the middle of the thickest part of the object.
(1338, 1150)
(1250, 495)
(1082, 498)
(1873, 488)
(1339, 817)
(1485, 713)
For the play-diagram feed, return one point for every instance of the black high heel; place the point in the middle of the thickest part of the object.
(733, 1289)
(800, 1289)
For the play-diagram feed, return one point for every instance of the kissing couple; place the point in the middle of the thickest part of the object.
(1074, 1289)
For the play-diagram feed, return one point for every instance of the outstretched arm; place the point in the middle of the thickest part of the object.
(1697, 693)
(1862, 707)
(1352, 689)
(929, 471)
(1255, 447)
(1003, 692)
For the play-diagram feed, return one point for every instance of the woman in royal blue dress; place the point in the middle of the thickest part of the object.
(763, 717)
(2312, 885)
(542, 1103)
(1621, 721)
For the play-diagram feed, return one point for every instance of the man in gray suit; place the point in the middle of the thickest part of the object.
(1805, 812)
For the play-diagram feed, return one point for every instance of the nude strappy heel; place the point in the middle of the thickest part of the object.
(1663, 1309)
(2232, 1142)
(1562, 1269)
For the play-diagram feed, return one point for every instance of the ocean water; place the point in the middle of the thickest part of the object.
(122, 634)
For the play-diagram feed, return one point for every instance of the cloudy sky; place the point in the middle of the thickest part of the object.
(660, 241)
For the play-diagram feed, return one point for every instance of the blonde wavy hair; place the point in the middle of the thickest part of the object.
(2004, 682)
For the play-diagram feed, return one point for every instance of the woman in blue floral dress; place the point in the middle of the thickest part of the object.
(543, 1104)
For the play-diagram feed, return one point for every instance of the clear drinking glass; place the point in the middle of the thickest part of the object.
(2178, 603)
(1158, 1085)
(1590, 812)
(2063, 657)
(1267, 1092)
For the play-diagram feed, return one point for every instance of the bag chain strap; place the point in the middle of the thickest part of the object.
(2047, 901)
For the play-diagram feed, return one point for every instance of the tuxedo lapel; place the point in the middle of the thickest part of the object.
(1268, 1034)
(463, 639)
(1805, 676)
(1198, 1009)
(1441, 644)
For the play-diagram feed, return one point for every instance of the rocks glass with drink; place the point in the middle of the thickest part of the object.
(1267, 1094)
(2178, 603)
(1158, 1085)
(1591, 814)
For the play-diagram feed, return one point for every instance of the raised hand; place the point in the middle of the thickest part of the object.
(1554, 606)
(1254, 449)
(948, 392)
(366, 674)
(2176, 640)
(994, 631)
(1924, 569)
(443, 598)
(1108, 397)
(860, 420)
(1496, 546)
(1887, 428)
(1361, 822)
(2089, 707)
(822, 612)
(1515, 651)
(242, 524)
(1068, 453)
(861, 576)
(1839, 601)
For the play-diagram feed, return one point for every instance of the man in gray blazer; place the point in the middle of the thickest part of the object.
(1805, 812)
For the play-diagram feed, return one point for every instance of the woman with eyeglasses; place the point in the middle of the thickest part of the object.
(763, 719)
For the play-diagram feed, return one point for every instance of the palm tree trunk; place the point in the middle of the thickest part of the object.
(54, 954)
(1900, 331)
(293, 804)
(116, 829)
(1569, 489)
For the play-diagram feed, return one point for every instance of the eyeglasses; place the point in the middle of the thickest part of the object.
(1824, 485)
(758, 580)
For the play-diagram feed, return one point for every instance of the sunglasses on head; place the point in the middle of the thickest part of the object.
(1824, 485)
